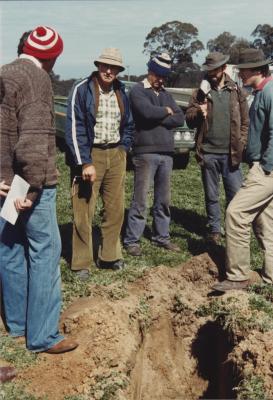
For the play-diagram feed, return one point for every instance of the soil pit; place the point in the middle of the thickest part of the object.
(141, 341)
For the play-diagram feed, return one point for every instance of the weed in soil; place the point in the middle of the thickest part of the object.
(106, 387)
(11, 391)
(237, 322)
(266, 290)
(14, 353)
(142, 314)
(251, 387)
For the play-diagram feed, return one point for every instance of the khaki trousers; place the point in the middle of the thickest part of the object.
(110, 167)
(252, 205)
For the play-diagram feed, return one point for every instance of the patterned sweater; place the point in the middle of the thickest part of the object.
(27, 125)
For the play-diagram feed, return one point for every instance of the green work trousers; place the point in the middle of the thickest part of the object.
(110, 165)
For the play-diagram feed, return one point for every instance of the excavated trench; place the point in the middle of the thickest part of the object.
(179, 368)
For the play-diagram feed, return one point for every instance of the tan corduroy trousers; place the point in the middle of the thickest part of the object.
(251, 206)
(110, 167)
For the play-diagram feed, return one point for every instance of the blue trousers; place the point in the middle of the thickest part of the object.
(150, 169)
(214, 166)
(30, 274)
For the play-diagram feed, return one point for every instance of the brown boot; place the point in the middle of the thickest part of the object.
(62, 347)
(169, 246)
(230, 285)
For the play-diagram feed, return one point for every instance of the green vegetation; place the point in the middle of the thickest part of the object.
(239, 319)
(251, 387)
(142, 314)
(265, 290)
(11, 391)
(15, 353)
(188, 229)
(106, 387)
(179, 306)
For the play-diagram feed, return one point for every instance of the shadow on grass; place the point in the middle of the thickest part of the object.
(66, 238)
(189, 220)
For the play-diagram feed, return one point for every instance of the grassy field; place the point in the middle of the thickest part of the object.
(187, 229)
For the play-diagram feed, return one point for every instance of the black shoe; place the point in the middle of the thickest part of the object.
(82, 274)
(114, 265)
(134, 250)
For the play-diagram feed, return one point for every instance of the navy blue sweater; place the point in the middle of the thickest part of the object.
(153, 124)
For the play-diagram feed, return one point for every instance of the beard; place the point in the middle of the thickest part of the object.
(214, 81)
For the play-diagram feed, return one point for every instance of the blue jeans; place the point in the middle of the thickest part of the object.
(214, 166)
(150, 169)
(30, 274)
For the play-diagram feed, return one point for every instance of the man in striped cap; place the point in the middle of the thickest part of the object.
(30, 249)
(155, 114)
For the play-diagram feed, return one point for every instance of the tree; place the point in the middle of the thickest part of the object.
(235, 50)
(178, 38)
(222, 43)
(263, 39)
(228, 44)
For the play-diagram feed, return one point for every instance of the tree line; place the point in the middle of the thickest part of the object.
(180, 40)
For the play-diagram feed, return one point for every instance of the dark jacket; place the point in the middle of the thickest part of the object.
(238, 121)
(153, 124)
(82, 108)
(27, 126)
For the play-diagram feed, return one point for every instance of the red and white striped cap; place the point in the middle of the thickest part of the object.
(44, 43)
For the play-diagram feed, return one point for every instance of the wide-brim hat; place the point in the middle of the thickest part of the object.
(214, 60)
(252, 58)
(110, 56)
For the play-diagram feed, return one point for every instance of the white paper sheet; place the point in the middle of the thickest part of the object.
(19, 188)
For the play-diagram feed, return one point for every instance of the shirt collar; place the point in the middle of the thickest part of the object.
(263, 83)
(111, 91)
(31, 58)
(147, 85)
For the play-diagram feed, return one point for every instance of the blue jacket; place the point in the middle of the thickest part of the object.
(260, 134)
(82, 108)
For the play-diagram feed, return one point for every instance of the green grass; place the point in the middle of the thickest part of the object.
(187, 229)
(15, 353)
(13, 391)
(251, 387)
(237, 321)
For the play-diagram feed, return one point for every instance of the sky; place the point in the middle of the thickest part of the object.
(87, 27)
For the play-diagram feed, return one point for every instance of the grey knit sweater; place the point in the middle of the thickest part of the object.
(27, 125)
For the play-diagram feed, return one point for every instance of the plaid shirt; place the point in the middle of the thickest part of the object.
(107, 119)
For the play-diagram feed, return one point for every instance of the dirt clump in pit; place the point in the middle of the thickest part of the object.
(139, 341)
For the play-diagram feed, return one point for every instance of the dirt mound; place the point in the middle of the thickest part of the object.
(140, 341)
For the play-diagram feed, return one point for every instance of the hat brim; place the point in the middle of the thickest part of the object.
(107, 61)
(255, 64)
(205, 67)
